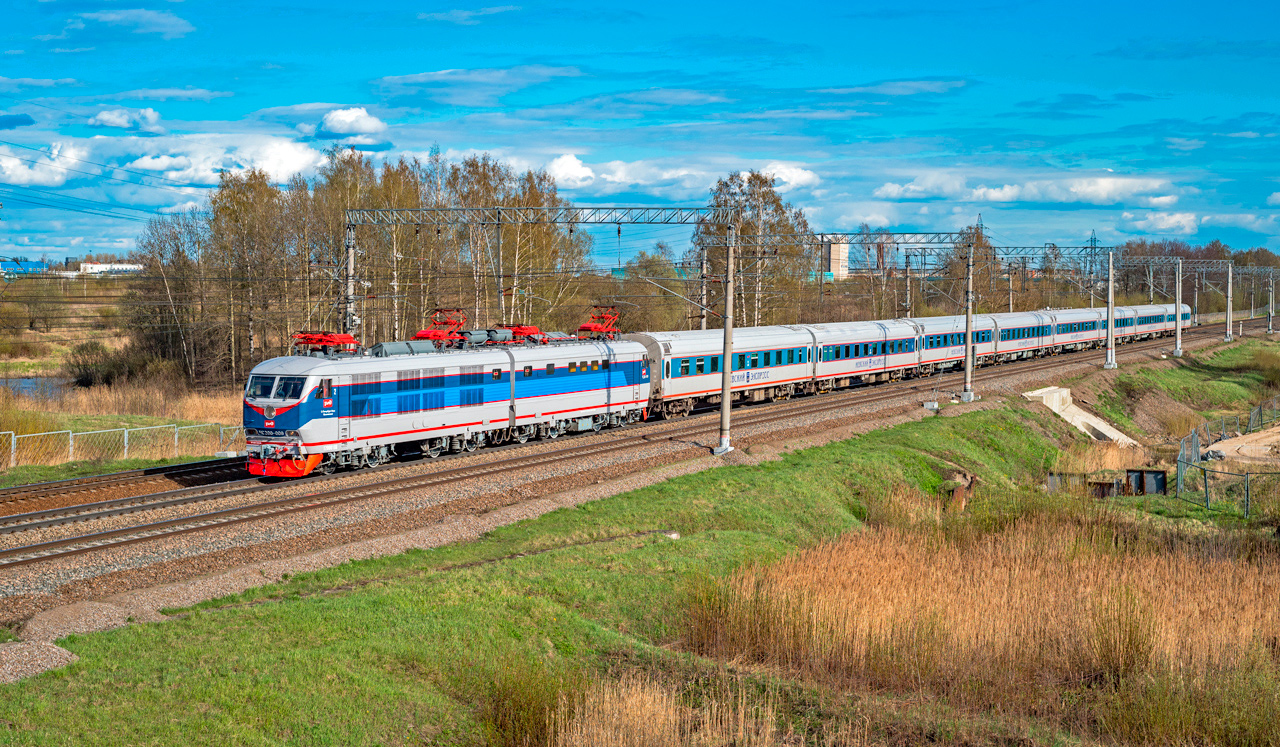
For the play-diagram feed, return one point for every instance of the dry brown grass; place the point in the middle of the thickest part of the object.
(159, 399)
(638, 712)
(1097, 456)
(1107, 624)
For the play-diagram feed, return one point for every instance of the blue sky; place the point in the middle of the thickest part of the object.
(1050, 120)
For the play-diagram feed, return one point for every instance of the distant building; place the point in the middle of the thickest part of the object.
(22, 268)
(96, 268)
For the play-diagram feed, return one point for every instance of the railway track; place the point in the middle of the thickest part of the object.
(23, 497)
(630, 438)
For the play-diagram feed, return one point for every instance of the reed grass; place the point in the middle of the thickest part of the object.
(1100, 621)
(639, 712)
(164, 399)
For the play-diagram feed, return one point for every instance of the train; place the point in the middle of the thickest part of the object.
(335, 405)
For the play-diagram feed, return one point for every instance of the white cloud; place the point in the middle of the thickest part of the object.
(199, 158)
(354, 121)
(901, 87)
(1250, 221)
(474, 87)
(791, 176)
(1274, 199)
(1159, 201)
(931, 184)
(162, 22)
(142, 120)
(1161, 222)
(13, 84)
(466, 17)
(1182, 143)
(570, 172)
(26, 168)
(1246, 134)
(1099, 190)
(162, 94)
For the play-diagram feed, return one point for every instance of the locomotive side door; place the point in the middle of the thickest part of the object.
(342, 384)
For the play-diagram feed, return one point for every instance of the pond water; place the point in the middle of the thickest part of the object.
(35, 386)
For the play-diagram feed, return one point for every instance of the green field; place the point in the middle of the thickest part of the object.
(28, 474)
(404, 649)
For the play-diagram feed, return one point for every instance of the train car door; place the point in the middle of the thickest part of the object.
(342, 384)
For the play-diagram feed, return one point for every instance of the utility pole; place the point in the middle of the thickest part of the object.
(702, 293)
(726, 371)
(1177, 325)
(1271, 301)
(909, 308)
(1151, 284)
(1230, 301)
(1195, 302)
(1111, 311)
(349, 293)
(1010, 275)
(967, 394)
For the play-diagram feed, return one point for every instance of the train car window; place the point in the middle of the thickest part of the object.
(528, 371)
(700, 365)
(684, 367)
(573, 367)
(325, 390)
(582, 366)
(290, 387)
(753, 360)
(791, 356)
(595, 365)
(497, 374)
(407, 380)
(551, 369)
(742, 361)
(605, 364)
(406, 403)
(260, 386)
(715, 364)
(666, 370)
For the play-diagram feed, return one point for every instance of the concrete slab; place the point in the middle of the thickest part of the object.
(1058, 399)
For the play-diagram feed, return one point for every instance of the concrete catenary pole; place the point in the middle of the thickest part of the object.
(349, 292)
(726, 371)
(1177, 310)
(967, 395)
(1111, 311)
(702, 285)
(1271, 302)
(1010, 287)
(1230, 301)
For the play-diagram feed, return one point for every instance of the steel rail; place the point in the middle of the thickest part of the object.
(126, 477)
(129, 535)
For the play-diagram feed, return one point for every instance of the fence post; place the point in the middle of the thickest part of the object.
(220, 439)
(175, 441)
(13, 449)
(71, 446)
(1205, 472)
(1246, 495)
(126, 443)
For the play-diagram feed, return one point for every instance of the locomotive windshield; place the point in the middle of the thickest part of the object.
(259, 387)
(290, 387)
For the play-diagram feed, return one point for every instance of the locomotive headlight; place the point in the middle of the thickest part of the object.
(291, 433)
(250, 431)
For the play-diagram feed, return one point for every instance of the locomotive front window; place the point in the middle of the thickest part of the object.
(290, 387)
(260, 387)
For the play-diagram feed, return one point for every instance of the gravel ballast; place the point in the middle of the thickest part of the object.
(134, 582)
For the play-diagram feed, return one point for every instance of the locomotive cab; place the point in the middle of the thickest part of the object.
(274, 411)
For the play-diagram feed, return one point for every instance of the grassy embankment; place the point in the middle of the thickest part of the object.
(831, 595)
(1211, 383)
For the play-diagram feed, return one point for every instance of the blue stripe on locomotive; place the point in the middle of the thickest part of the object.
(448, 393)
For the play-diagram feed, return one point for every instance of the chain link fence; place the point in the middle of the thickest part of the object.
(151, 442)
(1221, 489)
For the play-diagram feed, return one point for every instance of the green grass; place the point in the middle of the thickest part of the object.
(1221, 383)
(7, 635)
(82, 423)
(399, 650)
(27, 474)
